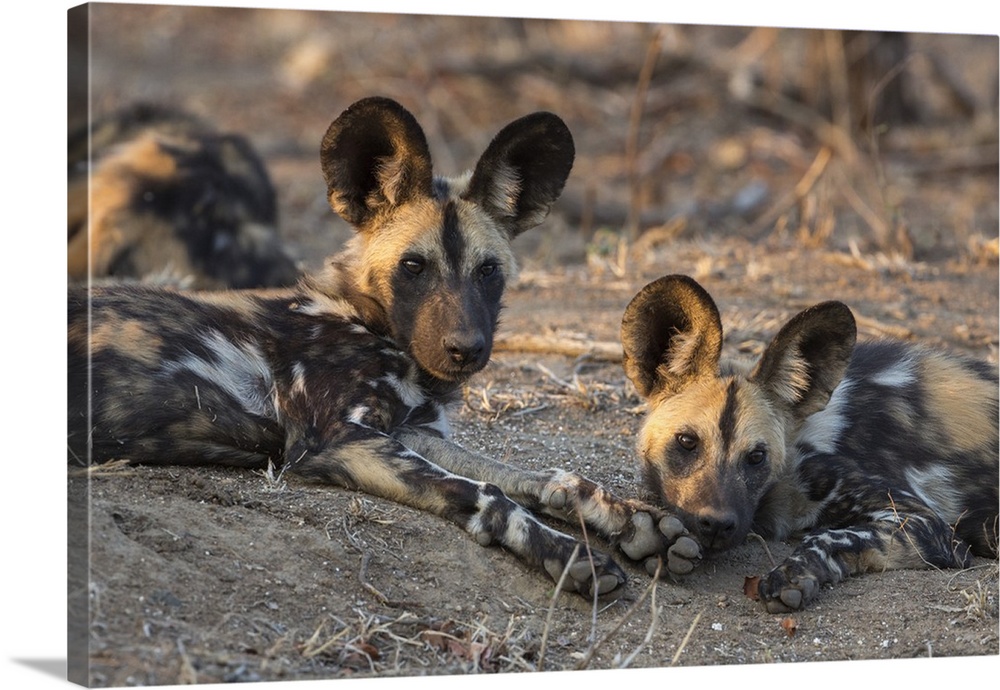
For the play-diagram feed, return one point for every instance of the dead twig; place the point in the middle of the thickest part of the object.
(654, 617)
(559, 345)
(593, 576)
(763, 543)
(187, 674)
(878, 226)
(680, 649)
(797, 193)
(635, 119)
(832, 136)
(592, 650)
(118, 468)
(366, 558)
(312, 647)
(552, 606)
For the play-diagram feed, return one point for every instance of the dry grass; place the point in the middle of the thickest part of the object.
(981, 597)
(116, 468)
(492, 402)
(273, 482)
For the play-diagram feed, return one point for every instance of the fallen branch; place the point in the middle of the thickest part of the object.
(559, 345)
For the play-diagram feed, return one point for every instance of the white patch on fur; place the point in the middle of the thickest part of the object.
(683, 347)
(823, 429)
(898, 375)
(519, 524)
(391, 173)
(241, 371)
(408, 391)
(319, 304)
(791, 378)
(441, 424)
(299, 378)
(935, 486)
(887, 515)
(475, 523)
(357, 415)
(506, 190)
(837, 540)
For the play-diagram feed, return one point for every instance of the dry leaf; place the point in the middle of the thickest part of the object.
(369, 649)
(790, 625)
(750, 585)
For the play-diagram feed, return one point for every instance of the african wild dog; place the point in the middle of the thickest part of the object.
(157, 194)
(345, 378)
(887, 451)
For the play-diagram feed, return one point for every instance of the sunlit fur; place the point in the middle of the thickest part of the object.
(346, 377)
(886, 451)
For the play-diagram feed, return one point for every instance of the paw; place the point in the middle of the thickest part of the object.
(584, 576)
(787, 588)
(652, 535)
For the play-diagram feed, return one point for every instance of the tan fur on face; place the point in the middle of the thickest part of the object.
(697, 410)
(415, 228)
(484, 240)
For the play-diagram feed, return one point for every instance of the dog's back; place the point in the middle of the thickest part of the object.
(908, 422)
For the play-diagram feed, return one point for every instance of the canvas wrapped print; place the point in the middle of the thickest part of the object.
(414, 345)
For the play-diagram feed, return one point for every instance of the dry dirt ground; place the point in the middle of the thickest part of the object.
(208, 575)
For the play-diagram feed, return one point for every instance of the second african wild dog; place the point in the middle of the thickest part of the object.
(886, 451)
(157, 194)
(345, 379)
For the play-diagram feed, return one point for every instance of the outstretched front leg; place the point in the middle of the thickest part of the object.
(363, 459)
(643, 533)
(905, 536)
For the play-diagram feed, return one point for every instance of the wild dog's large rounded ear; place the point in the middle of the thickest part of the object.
(807, 359)
(374, 158)
(523, 171)
(671, 335)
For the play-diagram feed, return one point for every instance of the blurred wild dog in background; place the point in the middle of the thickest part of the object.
(156, 194)
(885, 452)
(346, 377)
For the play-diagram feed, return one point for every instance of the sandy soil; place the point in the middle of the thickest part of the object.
(209, 575)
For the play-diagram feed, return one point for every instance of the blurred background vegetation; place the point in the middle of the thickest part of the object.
(861, 141)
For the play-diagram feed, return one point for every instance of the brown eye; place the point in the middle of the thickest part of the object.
(412, 265)
(756, 456)
(488, 269)
(687, 441)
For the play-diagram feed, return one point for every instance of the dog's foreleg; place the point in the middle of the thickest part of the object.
(899, 537)
(379, 465)
(641, 531)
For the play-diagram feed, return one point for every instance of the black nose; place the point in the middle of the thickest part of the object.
(464, 349)
(717, 527)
